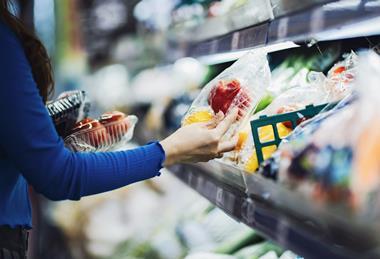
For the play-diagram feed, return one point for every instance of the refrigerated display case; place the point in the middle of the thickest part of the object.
(282, 214)
(289, 32)
(336, 20)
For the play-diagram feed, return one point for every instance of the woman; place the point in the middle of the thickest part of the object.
(32, 153)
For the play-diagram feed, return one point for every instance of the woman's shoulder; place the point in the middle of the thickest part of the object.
(8, 38)
(5, 31)
(10, 45)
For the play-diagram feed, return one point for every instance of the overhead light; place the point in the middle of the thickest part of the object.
(234, 55)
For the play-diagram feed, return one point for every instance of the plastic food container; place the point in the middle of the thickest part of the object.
(292, 118)
(69, 108)
(94, 135)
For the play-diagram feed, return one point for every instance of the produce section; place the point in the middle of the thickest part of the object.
(329, 21)
(316, 210)
(303, 179)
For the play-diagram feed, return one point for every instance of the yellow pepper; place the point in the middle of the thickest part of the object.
(266, 134)
(243, 135)
(198, 116)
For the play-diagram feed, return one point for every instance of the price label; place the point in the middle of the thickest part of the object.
(214, 47)
(317, 21)
(219, 196)
(248, 212)
(283, 28)
(282, 231)
(235, 41)
(189, 179)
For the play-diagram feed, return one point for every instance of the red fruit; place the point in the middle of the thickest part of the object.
(115, 124)
(92, 132)
(286, 109)
(82, 125)
(111, 117)
(339, 70)
(227, 93)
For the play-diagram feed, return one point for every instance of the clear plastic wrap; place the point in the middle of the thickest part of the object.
(293, 99)
(112, 131)
(298, 97)
(340, 77)
(319, 89)
(334, 158)
(242, 85)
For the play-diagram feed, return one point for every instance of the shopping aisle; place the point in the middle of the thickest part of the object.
(303, 179)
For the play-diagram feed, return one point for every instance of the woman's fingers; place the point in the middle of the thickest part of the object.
(215, 120)
(226, 123)
(228, 145)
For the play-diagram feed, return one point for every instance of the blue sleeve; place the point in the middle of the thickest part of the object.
(29, 140)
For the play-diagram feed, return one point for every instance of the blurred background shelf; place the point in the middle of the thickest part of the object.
(328, 21)
(299, 232)
(286, 7)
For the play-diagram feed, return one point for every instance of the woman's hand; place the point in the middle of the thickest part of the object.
(200, 142)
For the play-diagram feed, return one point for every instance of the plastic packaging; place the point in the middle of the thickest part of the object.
(298, 97)
(67, 109)
(242, 85)
(340, 77)
(292, 100)
(320, 89)
(111, 131)
(334, 158)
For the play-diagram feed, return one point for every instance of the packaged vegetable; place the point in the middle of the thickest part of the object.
(340, 77)
(334, 157)
(200, 115)
(266, 134)
(293, 99)
(318, 90)
(240, 86)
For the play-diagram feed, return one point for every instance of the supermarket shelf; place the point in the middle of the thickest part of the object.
(337, 20)
(286, 7)
(226, 187)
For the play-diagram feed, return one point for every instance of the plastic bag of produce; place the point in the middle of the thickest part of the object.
(298, 97)
(240, 86)
(334, 157)
(319, 90)
(340, 77)
(111, 131)
(293, 99)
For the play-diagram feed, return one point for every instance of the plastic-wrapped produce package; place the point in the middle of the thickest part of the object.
(240, 86)
(291, 100)
(319, 89)
(334, 157)
(340, 77)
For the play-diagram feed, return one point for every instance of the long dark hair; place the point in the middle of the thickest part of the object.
(34, 51)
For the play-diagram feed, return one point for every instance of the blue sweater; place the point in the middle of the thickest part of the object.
(32, 153)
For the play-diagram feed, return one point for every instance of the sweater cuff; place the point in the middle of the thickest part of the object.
(159, 152)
